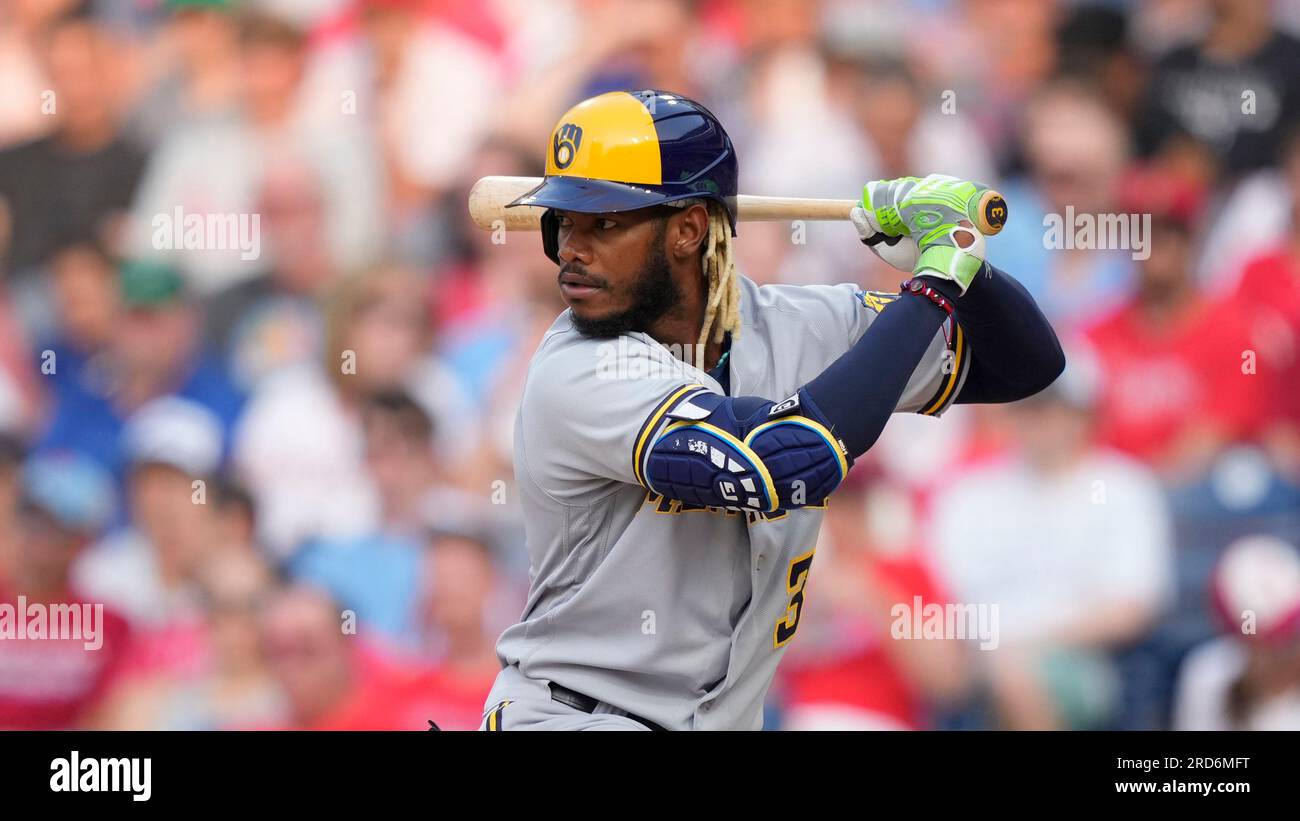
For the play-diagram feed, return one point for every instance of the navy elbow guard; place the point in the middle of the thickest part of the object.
(746, 453)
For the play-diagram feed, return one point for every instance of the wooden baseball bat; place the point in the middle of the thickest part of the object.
(490, 195)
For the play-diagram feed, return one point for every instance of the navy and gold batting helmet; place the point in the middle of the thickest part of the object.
(633, 149)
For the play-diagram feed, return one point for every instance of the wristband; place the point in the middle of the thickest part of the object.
(916, 286)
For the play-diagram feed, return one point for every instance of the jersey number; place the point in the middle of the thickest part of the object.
(795, 584)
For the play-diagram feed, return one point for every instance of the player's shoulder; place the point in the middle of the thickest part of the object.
(563, 345)
(569, 365)
(821, 311)
(843, 297)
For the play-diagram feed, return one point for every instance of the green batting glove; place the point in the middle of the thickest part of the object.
(938, 212)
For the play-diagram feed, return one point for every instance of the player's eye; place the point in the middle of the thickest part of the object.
(564, 222)
(606, 224)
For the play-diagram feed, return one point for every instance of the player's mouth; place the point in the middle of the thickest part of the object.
(578, 286)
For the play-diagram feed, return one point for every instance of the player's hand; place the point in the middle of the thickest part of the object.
(934, 212)
(899, 251)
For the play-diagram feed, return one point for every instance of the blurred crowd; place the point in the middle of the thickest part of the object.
(258, 370)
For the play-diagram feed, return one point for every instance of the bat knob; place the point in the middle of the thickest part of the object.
(990, 213)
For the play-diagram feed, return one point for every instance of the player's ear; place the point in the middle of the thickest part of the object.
(688, 230)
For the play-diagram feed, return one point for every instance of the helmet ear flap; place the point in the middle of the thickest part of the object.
(551, 235)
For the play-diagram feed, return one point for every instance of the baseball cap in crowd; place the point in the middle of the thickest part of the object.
(149, 283)
(1167, 196)
(72, 489)
(176, 432)
(1258, 578)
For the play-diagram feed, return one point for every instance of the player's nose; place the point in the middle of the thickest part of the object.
(573, 247)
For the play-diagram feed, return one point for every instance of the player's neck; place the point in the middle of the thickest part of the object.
(679, 331)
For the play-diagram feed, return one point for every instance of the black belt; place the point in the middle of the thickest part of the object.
(587, 704)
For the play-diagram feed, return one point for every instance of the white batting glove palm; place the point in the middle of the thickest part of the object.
(899, 251)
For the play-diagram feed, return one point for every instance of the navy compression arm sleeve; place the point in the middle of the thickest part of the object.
(1014, 351)
(858, 392)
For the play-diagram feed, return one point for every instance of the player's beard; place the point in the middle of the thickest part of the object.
(654, 294)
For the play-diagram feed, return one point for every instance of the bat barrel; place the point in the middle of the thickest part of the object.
(489, 197)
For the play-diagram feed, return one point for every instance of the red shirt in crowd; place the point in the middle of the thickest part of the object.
(866, 677)
(1160, 382)
(453, 699)
(53, 683)
(1269, 293)
(393, 694)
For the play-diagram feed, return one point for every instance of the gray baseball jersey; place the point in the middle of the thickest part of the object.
(675, 614)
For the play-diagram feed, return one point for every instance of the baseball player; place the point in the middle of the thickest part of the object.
(682, 428)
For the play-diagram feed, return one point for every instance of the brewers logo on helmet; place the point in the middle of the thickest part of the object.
(627, 150)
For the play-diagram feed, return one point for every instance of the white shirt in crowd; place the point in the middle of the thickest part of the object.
(1050, 550)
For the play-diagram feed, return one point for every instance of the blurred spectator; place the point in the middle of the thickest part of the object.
(11, 465)
(270, 129)
(790, 105)
(155, 352)
(377, 574)
(427, 89)
(1076, 151)
(329, 680)
(81, 177)
(908, 127)
(236, 515)
(1248, 679)
(1237, 89)
(20, 388)
(850, 670)
(149, 569)
(485, 273)
(1269, 292)
(994, 55)
(872, 119)
(596, 46)
(1176, 386)
(23, 23)
(87, 303)
(195, 69)
(1094, 43)
(462, 583)
(1253, 218)
(300, 447)
(233, 689)
(86, 296)
(55, 683)
(272, 320)
(1072, 545)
